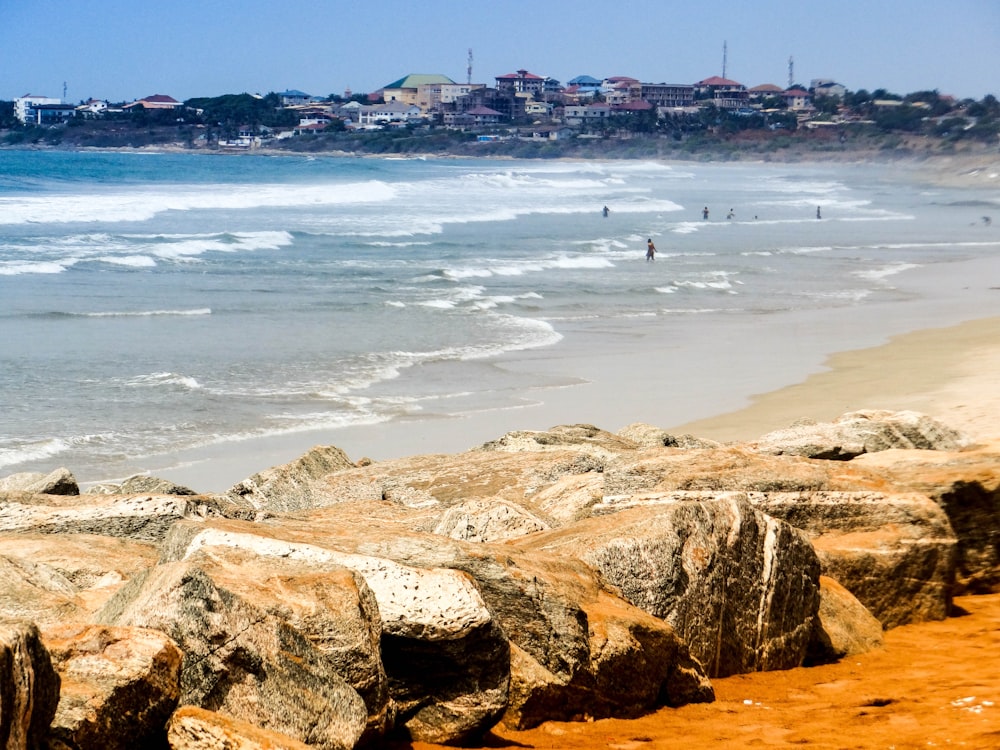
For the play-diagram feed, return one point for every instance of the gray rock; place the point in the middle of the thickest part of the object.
(488, 521)
(447, 661)
(844, 628)
(895, 553)
(240, 658)
(56, 482)
(859, 432)
(29, 686)
(741, 588)
(140, 484)
(119, 685)
(143, 517)
(293, 486)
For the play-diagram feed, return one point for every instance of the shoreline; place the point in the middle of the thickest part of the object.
(945, 372)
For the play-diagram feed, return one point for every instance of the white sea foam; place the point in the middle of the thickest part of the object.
(11, 455)
(157, 379)
(878, 274)
(142, 313)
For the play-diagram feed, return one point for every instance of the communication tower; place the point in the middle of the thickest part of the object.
(468, 70)
(791, 72)
(724, 45)
(64, 91)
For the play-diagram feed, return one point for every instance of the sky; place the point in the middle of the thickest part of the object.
(122, 50)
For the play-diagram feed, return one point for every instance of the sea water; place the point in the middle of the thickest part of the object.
(156, 303)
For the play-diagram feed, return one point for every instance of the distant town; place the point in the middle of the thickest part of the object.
(519, 106)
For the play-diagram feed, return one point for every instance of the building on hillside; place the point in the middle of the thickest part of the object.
(92, 108)
(32, 108)
(723, 92)
(521, 82)
(827, 87)
(667, 94)
(586, 115)
(765, 91)
(294, 98)
(584, 86)
(421, 89)
(797, 99)
(389, 113)
(156, 101)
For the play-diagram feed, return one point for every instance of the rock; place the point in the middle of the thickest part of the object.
(647, 436)
(488, 521)
(292, 486)
(57, 482)
(140, 484)
(193, 728)
(741, 588)
(895, 553)
(143, 517)
(119, 685)
(844, 628)
(583, 437)
(859, 432)
(966, 486)
(50, 578)
(241, 657)
(447, 662)
(29, 686)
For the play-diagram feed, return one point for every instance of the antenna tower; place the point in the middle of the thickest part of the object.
(791, 72)
(64, 91)
(468, 70)
(724, 45)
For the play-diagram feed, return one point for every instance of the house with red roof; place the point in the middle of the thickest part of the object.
(156, 101)
(724, 92)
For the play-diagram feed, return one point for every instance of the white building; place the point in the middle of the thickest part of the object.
(25, 107)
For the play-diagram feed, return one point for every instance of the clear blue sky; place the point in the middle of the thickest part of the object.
(126, 49)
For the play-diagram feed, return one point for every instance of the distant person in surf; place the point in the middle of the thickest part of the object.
(606, 211)
(650, 250)
(704, 213)
(819, 215)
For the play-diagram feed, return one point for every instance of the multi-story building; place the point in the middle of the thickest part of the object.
(32, 109)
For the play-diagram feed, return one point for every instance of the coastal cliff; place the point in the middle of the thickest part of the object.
(567, 575)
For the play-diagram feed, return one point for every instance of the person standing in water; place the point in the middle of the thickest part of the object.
(819, 215)
(606, 211)
(704, 213)
(650, 250)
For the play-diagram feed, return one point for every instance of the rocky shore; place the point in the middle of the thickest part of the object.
(568, 575)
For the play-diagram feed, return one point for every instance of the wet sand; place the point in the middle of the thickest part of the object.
(935, 684)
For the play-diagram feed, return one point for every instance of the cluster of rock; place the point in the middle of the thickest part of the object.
(551, 575)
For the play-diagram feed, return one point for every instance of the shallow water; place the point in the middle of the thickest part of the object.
(153, 303)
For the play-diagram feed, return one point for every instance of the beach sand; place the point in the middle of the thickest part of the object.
(934, 684)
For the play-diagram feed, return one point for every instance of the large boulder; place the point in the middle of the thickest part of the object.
(144, 518)
(56, 482)
(292, 486)
(740, 587)
(895, 553)
(29, 686)
(844, 627)
(484, 520)
(119, 685)
(966, 486)
(446, 660)
(51, 578)
(859, 432)
(140, 484)
(241, 657)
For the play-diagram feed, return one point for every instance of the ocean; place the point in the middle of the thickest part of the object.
(157, 304)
